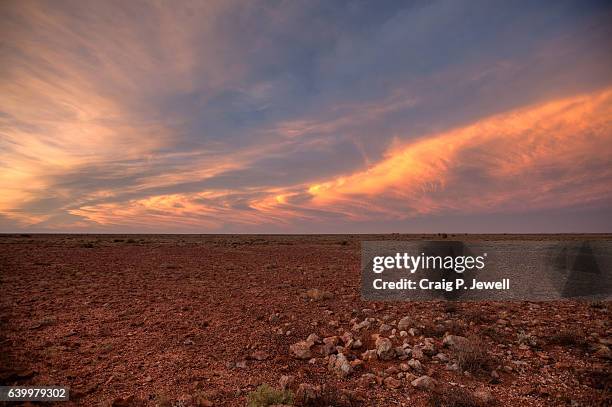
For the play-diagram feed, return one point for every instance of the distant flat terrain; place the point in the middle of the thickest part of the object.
(206, 319)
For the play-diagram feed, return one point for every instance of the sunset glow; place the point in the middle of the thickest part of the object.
(228, 118)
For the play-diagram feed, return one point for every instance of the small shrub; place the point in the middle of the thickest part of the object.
(567, 338)
(477, 317)
(265, 395)
(603, 305)
(452, 397)
(473, 356)
(330, 397)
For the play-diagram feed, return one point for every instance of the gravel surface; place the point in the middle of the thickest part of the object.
(204, 320)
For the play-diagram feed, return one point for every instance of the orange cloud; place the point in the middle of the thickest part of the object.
(555, 154)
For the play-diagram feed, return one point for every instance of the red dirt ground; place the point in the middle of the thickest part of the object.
(164, 319)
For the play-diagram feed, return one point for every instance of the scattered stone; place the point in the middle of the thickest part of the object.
(429, 348)
(357, 344)
(415, 365)
(370, 354)
(404, 324)
(404, 366)
(402, 352)
(357, 364)
(413, 332)
(391, 370)
(483, 396)
(441, 357)
(367, 380)
(384, 349)
(317, 295)
(424, 383)
(313, 338)
(339, 365)
(347, 339)
(409, 377)
(329, 345)
(363, 324)
(417, 353)
(452, 367)
(392, 383)
(403, 334)
(301, 350)
(260, 355)
(241, 364)
(384, 328)
(367, 311)
(456, 341)
(308, 394)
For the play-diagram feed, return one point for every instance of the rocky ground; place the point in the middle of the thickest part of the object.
(208, 320)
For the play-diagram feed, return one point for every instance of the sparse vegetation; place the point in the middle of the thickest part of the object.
(330, 397)
(476, 317)
(266, 395)
(447, 396)
(567, 337)
(473, 356)
(603, 305)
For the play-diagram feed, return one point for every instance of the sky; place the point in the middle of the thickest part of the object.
(305, 116)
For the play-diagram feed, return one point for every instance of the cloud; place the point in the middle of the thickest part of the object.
(231, 117)
(547, 156)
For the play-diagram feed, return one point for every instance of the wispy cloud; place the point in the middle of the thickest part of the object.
(140, 116)
(555, 154)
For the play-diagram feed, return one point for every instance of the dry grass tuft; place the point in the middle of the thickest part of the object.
(266, 395)
(452, 397)
(473, 356)
(568, 337)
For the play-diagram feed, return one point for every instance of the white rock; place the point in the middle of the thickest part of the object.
(424, 383)
(384, 349)
(404, 324)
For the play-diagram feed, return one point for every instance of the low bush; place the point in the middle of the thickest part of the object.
(266, 395)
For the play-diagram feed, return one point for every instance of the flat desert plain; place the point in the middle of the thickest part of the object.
(205, 320)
